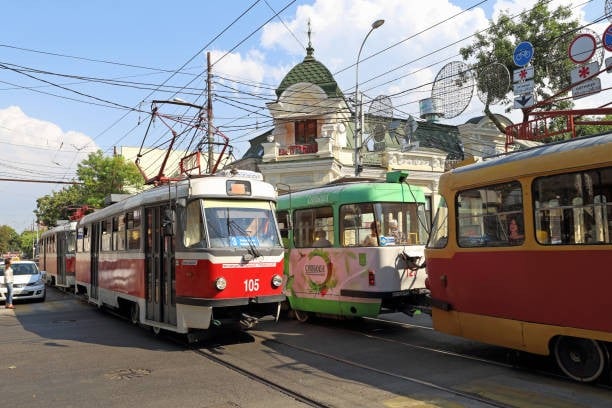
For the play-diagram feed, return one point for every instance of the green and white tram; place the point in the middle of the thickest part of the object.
(354, 248)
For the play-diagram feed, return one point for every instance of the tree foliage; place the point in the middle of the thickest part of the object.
(27, 241)
(549, 31)
(9, 240)
(97, 177)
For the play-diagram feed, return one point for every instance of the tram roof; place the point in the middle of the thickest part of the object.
(211, 186)
(352, 191)
(600, 142)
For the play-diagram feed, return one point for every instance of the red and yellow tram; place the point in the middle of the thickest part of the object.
(520, 253)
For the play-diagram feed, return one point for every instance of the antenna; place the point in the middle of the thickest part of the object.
(453, 89)
(492, 83)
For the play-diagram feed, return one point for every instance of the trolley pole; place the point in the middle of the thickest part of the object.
(209, 114)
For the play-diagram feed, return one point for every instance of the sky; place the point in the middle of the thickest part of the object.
(77, 76)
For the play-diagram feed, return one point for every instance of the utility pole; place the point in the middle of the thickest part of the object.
(209, 114)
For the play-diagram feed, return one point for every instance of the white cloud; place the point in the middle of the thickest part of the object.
(37, 151)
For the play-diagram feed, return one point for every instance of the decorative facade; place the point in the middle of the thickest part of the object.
(312, 140)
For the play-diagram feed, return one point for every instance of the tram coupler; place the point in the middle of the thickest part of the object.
(248, 322)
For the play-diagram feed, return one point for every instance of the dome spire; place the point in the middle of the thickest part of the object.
(309, 49)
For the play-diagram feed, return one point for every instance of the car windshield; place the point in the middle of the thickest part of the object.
(21, 269)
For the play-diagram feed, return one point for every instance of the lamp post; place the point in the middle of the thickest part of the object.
(358, 106)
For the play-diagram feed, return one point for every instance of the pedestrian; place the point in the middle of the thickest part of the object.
(8, 281)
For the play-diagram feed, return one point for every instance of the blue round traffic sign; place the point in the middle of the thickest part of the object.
(607, 38)
(523, 54)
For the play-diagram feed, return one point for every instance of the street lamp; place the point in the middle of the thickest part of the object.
(358, 106)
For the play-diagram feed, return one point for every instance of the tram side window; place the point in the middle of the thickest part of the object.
(106, 235)
(86, 240)
(574, 208)
(355, 222)
(490, 216)
(439, 229)
(194, 236)
(283, 225)
(121, 233)
(313, 227)
(133, 229)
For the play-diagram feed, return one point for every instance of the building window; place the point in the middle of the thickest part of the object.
(305, 131)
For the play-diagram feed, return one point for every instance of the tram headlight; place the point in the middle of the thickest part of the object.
(277, 280)
(220, 283)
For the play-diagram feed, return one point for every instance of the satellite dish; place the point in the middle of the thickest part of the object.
(409, 129)
(380, 112)
(492, 83)
(379, 133)
(381, 106)
(453, 88)
(379, 138)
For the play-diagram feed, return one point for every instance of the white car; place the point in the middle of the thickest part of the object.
(28, 282)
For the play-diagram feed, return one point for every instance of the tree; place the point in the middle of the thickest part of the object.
(586, 130)
(102, 176)
(550, 33)
(58, 205)
(9, 240)
(97, 177)
(27, 241)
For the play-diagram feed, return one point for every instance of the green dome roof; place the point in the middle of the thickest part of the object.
(310, 71)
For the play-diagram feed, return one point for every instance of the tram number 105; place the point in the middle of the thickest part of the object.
(251, 285)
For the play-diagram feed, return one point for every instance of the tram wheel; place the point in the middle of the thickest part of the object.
(301, 316)
(134, 313)
(580, 359)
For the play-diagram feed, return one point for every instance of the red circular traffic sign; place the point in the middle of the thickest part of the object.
(582, 48)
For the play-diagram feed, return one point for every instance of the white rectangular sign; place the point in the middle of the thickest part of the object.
(522, 88)
(586, 88)
(584, 71)
(522, 74)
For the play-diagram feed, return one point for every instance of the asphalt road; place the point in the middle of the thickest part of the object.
(67, 353)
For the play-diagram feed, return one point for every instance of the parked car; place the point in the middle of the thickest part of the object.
(28, 282)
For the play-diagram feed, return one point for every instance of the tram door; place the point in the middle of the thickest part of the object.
(94, 258)
(159, 258)
(60, 259)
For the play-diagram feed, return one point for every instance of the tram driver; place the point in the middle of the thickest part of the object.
(372, 238)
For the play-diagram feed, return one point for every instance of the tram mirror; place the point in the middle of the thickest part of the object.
(168, 222)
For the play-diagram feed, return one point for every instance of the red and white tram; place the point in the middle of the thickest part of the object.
(57, 254)
(186, 255)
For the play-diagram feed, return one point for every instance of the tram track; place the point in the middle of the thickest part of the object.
(260, 379)
(253, 373)
(511, 365)
(425, 383)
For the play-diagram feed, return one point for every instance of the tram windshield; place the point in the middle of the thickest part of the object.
(223, 224)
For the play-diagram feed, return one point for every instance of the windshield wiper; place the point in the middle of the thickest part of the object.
(235, 227)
